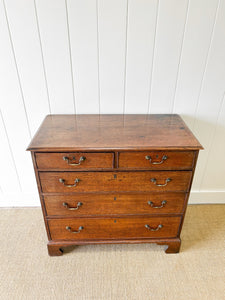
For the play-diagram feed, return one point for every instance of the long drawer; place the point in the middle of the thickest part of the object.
(157, 160)
(111, 204)
(74, 161)
(114, 228)
(155, 181)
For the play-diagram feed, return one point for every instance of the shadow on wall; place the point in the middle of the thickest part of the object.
(210, 170)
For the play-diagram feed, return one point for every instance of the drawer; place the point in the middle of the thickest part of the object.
(74, 161)
(100, 204)
(114, 228)
(155, 181)
(157, 160)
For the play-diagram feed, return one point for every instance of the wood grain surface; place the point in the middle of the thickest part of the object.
(92, 160)
(118, 227)
(115, 181)
(114, 178)
(157, 160)
(111, 204)
(102, 132)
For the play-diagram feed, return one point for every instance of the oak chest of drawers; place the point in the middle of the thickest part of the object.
(114, 178)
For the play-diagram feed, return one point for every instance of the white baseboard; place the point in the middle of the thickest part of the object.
(19, 200)
(32, 200)
(207, 197)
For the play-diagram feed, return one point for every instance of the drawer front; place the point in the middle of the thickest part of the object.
(74, 161)
(114, 228)
(67, 182)
(98, 204)
(157, 160)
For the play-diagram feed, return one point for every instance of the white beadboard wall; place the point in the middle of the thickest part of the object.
(111, 56)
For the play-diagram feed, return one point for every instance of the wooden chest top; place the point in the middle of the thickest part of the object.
(113, 132)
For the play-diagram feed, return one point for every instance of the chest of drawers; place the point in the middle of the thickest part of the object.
(114, 178)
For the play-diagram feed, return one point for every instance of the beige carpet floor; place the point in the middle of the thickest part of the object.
(111, 272)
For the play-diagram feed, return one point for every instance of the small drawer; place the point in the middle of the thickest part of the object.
(74, 161)
(113, 204)
(114, 228)
(157, 160)
(154, 181)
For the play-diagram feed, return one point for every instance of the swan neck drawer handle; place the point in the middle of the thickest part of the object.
(72, 208)
(155, 182)
(163, 203)
(148, 157)
(154, 229)
(74, 231)
(61, 180)
(82, 158)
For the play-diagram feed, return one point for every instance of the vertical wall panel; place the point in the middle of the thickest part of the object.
(140, 45)
(84, 50)
(110, 56)
(168, 44)
(200, 23)
(23, 27)
(211, 97)
(13, 110)
(1, 196)
(213, 177)
(8, 174)
(52, 20)
(112, 16)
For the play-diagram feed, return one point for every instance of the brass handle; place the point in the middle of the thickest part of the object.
(154, 229)
(82, 158)
(69, 185)
(72, 208)
(155, 181)
(155, 162)
(163, 203)
(74, 231)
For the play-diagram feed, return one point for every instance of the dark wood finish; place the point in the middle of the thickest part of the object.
(176, 160)
(113, 228)
(173, 245)
(115, 179)
(186, 201)
(56, 248)
(113, 132)
(54, 161)
(113, 204)
(40, 194)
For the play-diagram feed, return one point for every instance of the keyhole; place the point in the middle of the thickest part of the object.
(114, 198)
(157, 156)
(114, 221)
